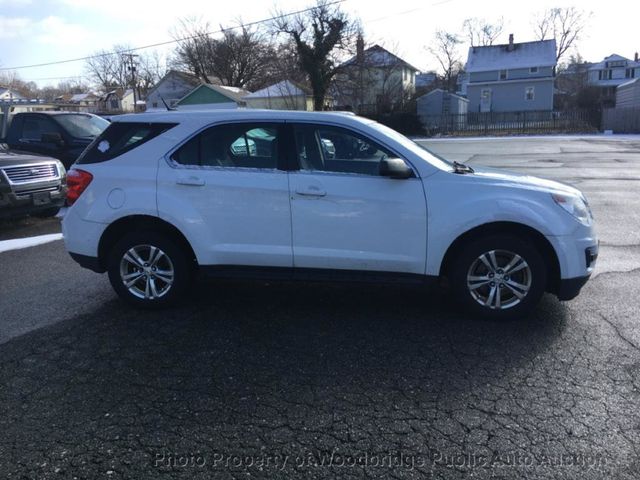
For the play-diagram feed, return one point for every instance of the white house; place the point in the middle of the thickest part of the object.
(628, 94)
(374, 79)
(611, 72)
(284, 95)
(8, 94)
(171, 88)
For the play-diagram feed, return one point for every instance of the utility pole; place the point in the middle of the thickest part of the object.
(132, 68)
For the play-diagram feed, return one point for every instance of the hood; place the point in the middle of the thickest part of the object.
(520, 180)
(9, 158)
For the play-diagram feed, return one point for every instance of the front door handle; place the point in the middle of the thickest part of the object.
(311, 191)
(192, 181)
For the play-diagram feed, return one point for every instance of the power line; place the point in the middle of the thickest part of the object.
(168, 42)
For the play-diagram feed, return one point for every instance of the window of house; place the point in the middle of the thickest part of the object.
(246, 145)
(333, 149)
(630, 73)
(529, 93)
(503, 74)
(533, 70)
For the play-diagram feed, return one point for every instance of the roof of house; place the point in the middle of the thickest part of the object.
(15, 94)
(440, 90)
(285, 88)
(377, 56)
(613, 58)
(629, 83)
(206, 93)
(188, 78)
(523, 55)
(78, 97)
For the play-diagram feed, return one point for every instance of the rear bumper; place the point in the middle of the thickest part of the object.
(569, 288)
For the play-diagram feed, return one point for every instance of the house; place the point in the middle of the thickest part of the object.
(207, 97)
(512, 77)
(6, 94)
(612, 72)
(628, 94)
(284, 95)
(120, 101)
(128, 100)
(82, 102)
(374, 79)
(171, 88)
(441, 102)
(425, 79)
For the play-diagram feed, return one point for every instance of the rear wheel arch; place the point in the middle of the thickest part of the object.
(141, 223)
(542, 245)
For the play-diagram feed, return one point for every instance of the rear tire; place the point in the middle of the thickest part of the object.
(149, 269)
(498, 277)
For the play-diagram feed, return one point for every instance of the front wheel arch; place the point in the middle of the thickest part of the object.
(507, 228)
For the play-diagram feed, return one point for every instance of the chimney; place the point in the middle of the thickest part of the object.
(635, 59)
(510, 47)
(360, 49)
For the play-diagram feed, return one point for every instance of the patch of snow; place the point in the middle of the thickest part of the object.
(19, 243)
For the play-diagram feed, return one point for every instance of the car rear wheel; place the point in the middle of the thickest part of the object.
(149, 269)
(499, 277)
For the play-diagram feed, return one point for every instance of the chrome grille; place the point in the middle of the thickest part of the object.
(31, 191)
(29, 173)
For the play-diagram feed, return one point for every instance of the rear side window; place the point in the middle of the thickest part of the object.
(244, 145)
(121, 137)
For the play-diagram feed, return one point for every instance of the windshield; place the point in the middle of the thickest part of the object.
(421, 151)
(82, 126)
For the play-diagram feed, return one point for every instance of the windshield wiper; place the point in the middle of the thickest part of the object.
(461, 168)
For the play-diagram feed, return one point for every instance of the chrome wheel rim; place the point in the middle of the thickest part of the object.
(499, 279)
(146, 272)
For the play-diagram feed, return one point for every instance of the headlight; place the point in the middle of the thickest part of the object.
(576, 206)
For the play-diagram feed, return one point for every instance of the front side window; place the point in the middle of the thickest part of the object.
(334, 149)
(82, 126)
(234, 145)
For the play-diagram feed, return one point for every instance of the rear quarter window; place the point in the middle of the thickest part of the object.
(119, 138)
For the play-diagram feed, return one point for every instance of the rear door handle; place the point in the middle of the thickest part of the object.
(311, 191)
(192, 181)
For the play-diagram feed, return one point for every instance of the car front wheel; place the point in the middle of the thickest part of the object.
(148, 269)
(499, 277)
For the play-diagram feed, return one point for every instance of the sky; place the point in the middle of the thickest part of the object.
(40, 31)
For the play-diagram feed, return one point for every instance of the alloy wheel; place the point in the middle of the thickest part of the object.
(147, 272)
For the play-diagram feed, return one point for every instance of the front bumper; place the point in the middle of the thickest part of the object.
(569, 288)
(31, 199)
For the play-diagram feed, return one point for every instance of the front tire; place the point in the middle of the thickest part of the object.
(499, 277)
(149, 269)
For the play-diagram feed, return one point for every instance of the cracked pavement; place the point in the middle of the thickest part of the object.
(282, 380)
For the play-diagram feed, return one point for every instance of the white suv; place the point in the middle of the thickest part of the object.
(301, 195)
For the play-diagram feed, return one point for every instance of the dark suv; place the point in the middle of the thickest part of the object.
(30, 184)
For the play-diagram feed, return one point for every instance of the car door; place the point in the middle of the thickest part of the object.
(227, 191)
(345, 215)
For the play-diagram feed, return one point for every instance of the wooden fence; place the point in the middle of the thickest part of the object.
(509, 123)
(621, 120)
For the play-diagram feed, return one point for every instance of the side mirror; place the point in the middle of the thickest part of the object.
(52, 137)
(395, 168)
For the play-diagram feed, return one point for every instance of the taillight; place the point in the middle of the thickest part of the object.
(77, 182)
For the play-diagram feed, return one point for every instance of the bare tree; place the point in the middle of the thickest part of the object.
(195, 44)
(445, 50)
(237, 59)
(564, 24)
(320, 35)
(481, 32)
(150, 69)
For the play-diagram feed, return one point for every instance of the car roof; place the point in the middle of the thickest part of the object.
(241, 114)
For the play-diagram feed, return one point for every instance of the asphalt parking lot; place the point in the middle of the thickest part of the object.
(255, 380)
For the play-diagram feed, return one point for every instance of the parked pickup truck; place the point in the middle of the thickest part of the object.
(61, 135)
(30, 184)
